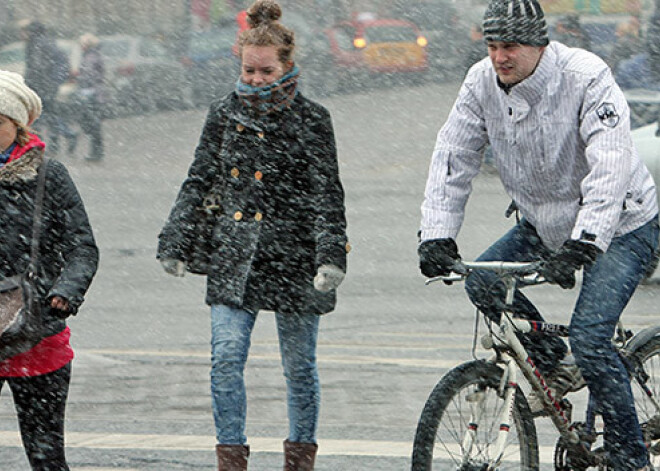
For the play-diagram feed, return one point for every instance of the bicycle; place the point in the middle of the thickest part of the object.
(477, 417)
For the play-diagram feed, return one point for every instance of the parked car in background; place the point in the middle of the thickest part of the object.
(647, 142)
(366, 51)
(142, 75)
(447, 32)
(211, 66)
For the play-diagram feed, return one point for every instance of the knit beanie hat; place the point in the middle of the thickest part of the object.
(17, 100)
(515, 21)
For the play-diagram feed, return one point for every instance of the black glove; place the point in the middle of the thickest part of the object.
(437, 257)
(560, 267)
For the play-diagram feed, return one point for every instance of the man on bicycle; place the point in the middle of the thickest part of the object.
(559, 127)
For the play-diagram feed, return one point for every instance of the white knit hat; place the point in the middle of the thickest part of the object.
(17, 100)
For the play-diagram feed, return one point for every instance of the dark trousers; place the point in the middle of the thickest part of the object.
(90, 118)
(607, 286)
(40, 402)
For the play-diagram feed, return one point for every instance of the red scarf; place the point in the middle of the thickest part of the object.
(19, 151)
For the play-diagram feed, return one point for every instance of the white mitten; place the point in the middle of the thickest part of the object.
(328, 277)
(173, 267)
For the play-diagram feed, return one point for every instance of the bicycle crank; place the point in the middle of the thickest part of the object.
(578, 456)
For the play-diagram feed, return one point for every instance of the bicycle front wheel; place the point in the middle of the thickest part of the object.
(648, 358)
(446, 418)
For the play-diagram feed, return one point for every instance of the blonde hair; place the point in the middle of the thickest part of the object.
(22, 131)
(265, 30)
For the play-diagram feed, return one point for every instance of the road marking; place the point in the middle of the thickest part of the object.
(322, 359)
(328, 447)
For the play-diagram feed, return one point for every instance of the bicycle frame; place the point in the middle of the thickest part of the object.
(503, 340)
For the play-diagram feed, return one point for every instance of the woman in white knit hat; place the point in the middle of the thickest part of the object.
(68, 257)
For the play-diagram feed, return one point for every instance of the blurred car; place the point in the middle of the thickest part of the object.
(366, 50)
(647, 142)
(142, 75)
(447, 33)
(211, 65)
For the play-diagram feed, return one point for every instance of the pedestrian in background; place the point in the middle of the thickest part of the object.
(628, 42)
(46, 68)
(278, 238)
(569, 31)
(39, 378)
(477, 46)
(89, 95)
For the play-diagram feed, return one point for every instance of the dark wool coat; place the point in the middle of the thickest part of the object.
(281, 207)
(91, 75)
(68, 255)
(42, 57)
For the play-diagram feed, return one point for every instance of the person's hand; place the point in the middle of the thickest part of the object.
(328, 277)
(173, 267)
(560, 267)
(437, 257)
(60, 307)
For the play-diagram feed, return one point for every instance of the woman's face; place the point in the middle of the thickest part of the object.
(261, 66)
(8, 132)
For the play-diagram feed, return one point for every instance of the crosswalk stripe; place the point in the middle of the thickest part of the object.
(376, 448)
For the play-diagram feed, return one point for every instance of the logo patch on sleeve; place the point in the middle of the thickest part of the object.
(608, 115)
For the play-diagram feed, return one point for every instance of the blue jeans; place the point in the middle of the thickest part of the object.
(230, 343)
(607, 286)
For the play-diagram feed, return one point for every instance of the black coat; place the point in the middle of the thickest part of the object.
(281, 210)
(68, 254)
(42, 61)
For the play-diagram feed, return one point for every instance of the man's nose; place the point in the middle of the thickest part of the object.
(500, 56)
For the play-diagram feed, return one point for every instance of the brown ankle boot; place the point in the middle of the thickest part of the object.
(299, 456)
(232, 457)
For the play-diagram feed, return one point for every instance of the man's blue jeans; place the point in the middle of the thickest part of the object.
(230, 343)
(607, 286)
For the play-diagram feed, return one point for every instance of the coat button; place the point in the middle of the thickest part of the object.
(258, 216)
(261, 134)
(258, 175)
(234, 172)
(348, 247)
(240, 127)
(238, 215)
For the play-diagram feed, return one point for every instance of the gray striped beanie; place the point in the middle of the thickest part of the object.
(515, 21)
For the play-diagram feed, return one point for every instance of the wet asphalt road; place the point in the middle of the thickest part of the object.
(139, 397)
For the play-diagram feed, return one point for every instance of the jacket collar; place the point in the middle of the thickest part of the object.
(236, 111)
(533, 87)
(23, 164)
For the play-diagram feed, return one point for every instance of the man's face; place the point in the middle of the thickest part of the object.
(513, 62)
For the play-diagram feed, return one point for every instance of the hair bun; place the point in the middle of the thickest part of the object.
(263, 11)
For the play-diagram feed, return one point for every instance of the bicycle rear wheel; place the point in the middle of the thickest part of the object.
(446, 418)
(648, 356)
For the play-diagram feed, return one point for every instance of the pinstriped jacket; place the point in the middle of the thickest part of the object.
(562, 146)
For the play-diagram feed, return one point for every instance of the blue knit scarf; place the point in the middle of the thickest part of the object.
(274, 97)
(4, 156)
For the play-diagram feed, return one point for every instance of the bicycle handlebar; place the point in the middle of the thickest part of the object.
(526, 272)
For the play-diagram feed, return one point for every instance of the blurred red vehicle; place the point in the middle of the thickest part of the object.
(379, 46)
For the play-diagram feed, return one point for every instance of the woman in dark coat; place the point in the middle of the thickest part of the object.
(267, 163)
(68, 257)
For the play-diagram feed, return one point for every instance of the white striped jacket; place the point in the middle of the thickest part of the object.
(562, 146)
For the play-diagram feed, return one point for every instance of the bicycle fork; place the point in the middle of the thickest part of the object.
(507, 391)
